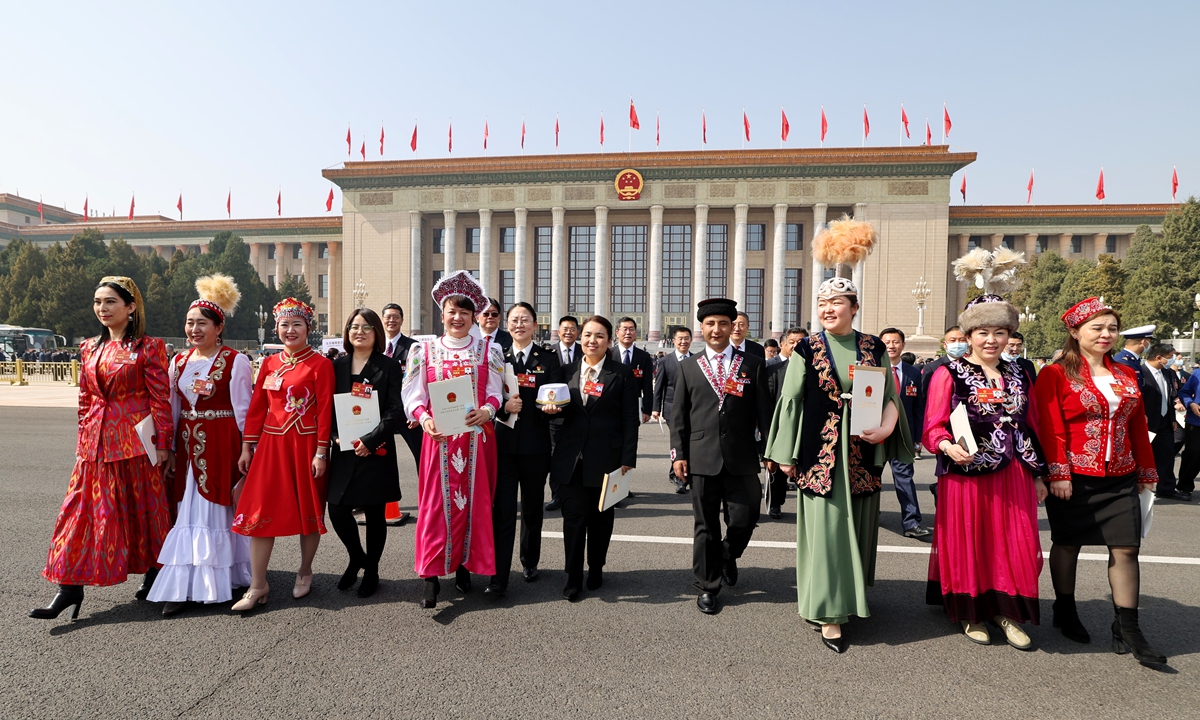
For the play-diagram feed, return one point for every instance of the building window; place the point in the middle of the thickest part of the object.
(322, 323)
(718, 256)
(271, 251)
(271, 281)
(508, 240)
(471, 239)
(323, 251)
(629, 261)
(1043, 243)
(26, 219)
(794, 236)
(755, 283)
(677, 264)
(829, 273)
(295, 251)
(756, 238)
(1076, 244)
(322, 286)
(1110, 244)
(1010, 242)
(582, 264)
(792, 297)
(508, 288)
(437, 241)
(543, 243)
(435, 311)
(976, 241)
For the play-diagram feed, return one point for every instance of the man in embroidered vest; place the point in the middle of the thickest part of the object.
(719, 419)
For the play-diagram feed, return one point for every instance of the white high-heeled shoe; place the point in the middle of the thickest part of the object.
(303, 585)
(252, 600)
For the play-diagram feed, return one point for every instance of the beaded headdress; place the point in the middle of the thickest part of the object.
(291, 307)
(463, 284)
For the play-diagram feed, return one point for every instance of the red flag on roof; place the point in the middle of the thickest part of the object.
(703, 128)
(329, 201)
(179, 205)
(633, 118)
(601, 129)
(380, 141)
(348, 146)
(824, 124)
(928, 133)
(522, 133)
(657, 129)
(85, 210)
(1100, 186)
(1174, 187)
(785, 127)
(413, 144)
(745, 125)
(485, 133)
(363, 149)
(132, 198)
(963, 189)
(41, 215)
(866, 123)
(228, 204)
(945, 121)
(279, 203)
(904, 121)
(450, 138)
(1029, 188)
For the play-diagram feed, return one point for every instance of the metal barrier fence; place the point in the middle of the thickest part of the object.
(20, 372)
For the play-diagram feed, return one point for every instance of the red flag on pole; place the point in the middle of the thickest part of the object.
(279, 202)
(703, 128)
(904, 121)
(963, 189)
(329, 201)
(866, 124)
(945, 122)
(657, 129)
(746, 125)
(824, 124)
(1100, 186)
(601, 129)
(179, 205)
(348, 145)
(1029, 188)
(41, 215)
(523, 132)
(556, 131)
(381, 141)
(785, 127)
(413, 143)
(132, 198)
(229, 204)
(1174, 188)
(450, 137)
(633, 118)
(485, 133)
(928, 133)
(85, 210)
(363, 149)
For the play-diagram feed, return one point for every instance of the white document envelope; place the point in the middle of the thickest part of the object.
(145, 431)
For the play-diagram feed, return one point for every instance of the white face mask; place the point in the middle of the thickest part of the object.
(956, 349)
(1008, 358)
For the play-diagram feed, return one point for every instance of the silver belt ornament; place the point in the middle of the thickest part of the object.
(204, 414)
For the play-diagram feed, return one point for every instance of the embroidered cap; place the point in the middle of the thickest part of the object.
(461, 284)
(836, 287)
(138, 319)
(1084, 310)
(291, 307)
(716, 306)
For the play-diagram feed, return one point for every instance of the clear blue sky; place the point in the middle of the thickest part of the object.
(160, 98)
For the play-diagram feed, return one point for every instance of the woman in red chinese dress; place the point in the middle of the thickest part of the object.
(1092, 426)
(457, 478)
(114, 517)
(203, 561)
(290, 419)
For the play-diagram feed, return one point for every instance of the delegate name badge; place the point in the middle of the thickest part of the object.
(1129, 390)
(459, 370)
(123, 356)
(990, 396)
(273, 382)
(527, 380)
(851, 377)
(594, 389)
(203, 387)
(734, 387)
(910, 390)
(362, 390)
(638, 372)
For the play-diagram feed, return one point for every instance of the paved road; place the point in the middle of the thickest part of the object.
(635, 648)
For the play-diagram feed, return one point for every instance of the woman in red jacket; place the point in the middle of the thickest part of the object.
(1092, 427)
(115, 515)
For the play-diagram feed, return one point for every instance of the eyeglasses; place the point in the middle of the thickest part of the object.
(489, 314)
(520, 321)
(362, 328)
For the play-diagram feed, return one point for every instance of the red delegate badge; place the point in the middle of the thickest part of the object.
(122, 356)
(733, 387)
(593, 389)
(362, 390)
(911, 390)
(638, 372)
(273, 382)
(527, 380)
(990, 396)
(203, 387)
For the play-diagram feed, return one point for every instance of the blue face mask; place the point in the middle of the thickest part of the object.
(1006, 357)
(956, 349)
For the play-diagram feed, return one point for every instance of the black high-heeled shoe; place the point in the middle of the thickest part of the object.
(1066, 619)
(350, 576)
(432, 587)
(147, 582)
(837, 644)
(67, 596)
(462, 580)
(370, 582)
(1128, 637)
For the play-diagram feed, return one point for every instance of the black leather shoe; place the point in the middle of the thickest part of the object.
(1066, 619)
(918, 532)
(553, 505)
(350, 576)
(495, 589)
(173, 608)
(530, 574)
(462, 580)
(595, 578)
(147, 582)
(1184, 496)
(775, 513)
(707, 602)
(571, 592)
(1174, 495)
(432, 587)
(729, 575)
(370, 582)
(67, 596)
(837, 644)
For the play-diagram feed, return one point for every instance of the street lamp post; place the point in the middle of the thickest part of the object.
(262, 318)
(921, 293)
(360, 294)
(1024, 317)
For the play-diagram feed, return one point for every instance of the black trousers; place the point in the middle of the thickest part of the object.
(1189, 467)
(777, 489)
(527, 472)
(412, 437)
(1164, 460)
(742, 495)
(584, 526)
(555, 427)
(346, 527)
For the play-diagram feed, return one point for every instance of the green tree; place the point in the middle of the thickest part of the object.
(295, 287)
(161, 319)
(66, 306)
(18, 295)
(1041, 291)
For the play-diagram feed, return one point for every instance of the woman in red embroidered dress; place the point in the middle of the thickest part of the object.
(203, 561)
(114, 517)
(457, 479)
(290, 418)
(1092, 426)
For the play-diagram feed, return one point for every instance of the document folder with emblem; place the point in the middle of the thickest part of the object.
(616, 489)
(450, 401)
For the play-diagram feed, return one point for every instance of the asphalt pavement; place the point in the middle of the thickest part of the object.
(635, 648)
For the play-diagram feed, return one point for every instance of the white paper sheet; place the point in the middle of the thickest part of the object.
(1147, 498)
(450, 401)
(960, 428)
(356, 417)
(511, 387)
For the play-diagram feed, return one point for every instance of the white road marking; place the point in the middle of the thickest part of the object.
(900, 549)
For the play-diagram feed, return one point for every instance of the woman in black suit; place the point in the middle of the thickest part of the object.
(366, 477)
(599, 435)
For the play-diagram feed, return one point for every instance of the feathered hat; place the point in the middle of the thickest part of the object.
(460, 284)
(994, 272)
(843, 242)
(218, 293)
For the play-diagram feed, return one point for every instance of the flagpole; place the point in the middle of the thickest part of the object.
(864, 131)
(781, 129)
(943, 122)
(901, 124)
(630, 126)
(822, 126)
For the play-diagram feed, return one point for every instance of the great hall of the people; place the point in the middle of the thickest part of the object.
(580, 234)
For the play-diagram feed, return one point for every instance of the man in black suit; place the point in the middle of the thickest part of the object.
(1014, 352)
(396, 346)
(637, 360)
(665, 375)
(776, 370)
(489, 324)
(908, 385)
(720, 403)
(737, 337)
(1159, 388)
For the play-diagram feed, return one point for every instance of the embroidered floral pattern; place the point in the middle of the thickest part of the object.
(458, 461)
(819, 477)
(296, 404)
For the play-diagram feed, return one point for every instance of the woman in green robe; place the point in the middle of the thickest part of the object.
(837, 512)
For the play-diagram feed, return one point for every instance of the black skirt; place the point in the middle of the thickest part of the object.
(1101, 511)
